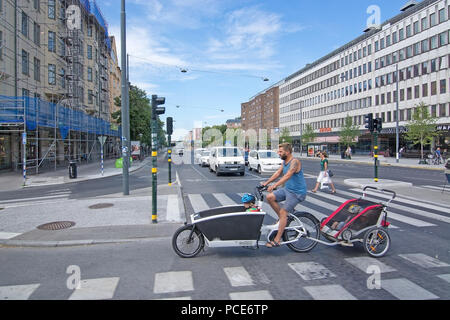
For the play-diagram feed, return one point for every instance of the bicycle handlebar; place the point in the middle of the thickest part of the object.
(382, 190)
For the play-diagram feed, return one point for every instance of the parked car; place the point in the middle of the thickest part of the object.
(204, 159)
(198, 155)
(226, 160)
(264, 161)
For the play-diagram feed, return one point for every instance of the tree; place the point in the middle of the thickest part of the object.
(140, 117)
(422, 128)
(349, 132)
(308, 135)
(285, 136)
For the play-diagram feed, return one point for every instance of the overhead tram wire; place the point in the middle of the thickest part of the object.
(185, 69)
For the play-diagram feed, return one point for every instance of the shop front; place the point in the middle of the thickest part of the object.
(5, 152)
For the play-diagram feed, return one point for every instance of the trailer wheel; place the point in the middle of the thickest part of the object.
(188, 241)
(376, 242)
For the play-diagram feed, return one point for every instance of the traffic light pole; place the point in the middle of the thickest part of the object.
(375, 154)
(154, 170)
(169, 154)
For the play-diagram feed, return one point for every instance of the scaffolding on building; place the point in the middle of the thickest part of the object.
(63, 130)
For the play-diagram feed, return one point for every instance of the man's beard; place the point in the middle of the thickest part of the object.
(284, 157)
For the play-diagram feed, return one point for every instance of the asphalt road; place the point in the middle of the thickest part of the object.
(417, 265)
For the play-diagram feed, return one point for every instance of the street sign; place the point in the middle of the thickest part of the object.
(102, 140)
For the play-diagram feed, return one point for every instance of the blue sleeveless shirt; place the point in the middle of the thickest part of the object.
(296, 184)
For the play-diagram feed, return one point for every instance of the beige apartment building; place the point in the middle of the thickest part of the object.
(262, 111)
(54, 83)
(115, 78)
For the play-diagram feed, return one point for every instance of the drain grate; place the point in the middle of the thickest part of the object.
(101, 206)
(57, 225)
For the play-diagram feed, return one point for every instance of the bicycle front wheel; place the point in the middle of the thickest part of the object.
(187, 242)
(310, 225)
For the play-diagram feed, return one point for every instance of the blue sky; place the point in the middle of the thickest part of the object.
(228, 46)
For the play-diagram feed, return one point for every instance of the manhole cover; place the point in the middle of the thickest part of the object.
(101, 206)
(58, 225)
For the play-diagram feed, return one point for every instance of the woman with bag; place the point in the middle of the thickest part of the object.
(324, 175)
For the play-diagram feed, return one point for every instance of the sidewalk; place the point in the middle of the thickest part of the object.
(384, 161)
(14, 180)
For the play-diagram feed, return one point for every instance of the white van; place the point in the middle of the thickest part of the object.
(226, 160)
(264, 161)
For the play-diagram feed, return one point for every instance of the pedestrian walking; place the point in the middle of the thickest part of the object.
(324, 175)
(348, 153)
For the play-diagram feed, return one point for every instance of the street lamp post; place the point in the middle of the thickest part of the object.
(124, 105)
(397, 142)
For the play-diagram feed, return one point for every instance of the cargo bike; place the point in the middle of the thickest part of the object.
(356, 220)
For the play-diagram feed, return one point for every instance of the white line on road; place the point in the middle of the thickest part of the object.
(20, 292)
(176, 281)
(404, 289)
(238, 276)
(173, 209)
(330, 292)
(197, 202)
(224, 199)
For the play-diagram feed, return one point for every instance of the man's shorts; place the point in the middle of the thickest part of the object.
(290, 199)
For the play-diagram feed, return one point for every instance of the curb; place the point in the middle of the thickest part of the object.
(73, 243)
(361, 183)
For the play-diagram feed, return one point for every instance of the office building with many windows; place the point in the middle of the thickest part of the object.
(410, 50)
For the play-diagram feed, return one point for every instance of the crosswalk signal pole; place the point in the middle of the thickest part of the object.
(154, 129)
(169, 130)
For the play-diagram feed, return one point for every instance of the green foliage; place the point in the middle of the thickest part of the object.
(422, 128)
(308, 135)
(140, 117)
(349, 133)
(285, 136)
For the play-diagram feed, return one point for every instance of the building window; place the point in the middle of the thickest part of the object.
(89, 52)
(425, 45)
(443, 86)
(409, 93)
(37, 34)
(433, 110)
(51, 41)
(51, 9)
(416, 27)
(37, 4)
(441, 15)
(408, 31)
(433, 19)
(424, 24)
(25, 63)
(433, 88)
(424, 68)
(425, 90)
(443, 38)
(416, 92)
(37, 69)
(90, 97)
(89, 74)
(24, 24)
(51, 74)
(442, 110)
(401, 34)
(434, 42)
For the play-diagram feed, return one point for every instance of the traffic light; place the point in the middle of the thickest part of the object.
(378, 124)
(368, 120)
(169, 124)
(156, 101)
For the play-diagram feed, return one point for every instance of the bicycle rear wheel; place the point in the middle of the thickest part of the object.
(310, 224)
(188, 243)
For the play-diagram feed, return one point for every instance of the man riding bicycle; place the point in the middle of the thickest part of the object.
(293, 192)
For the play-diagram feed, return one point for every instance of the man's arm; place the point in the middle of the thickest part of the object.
(274, 176)
(295, 167)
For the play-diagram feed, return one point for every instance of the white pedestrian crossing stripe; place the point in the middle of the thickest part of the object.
(238, 276)
(329, 292)
(311, 271)
(178, 281)
(404, 289)
(423, 260)
(95, 289)
(445, 277)
(363, 263)
(198, 203)
(224, 199)
(251, 295)
(173, 209)
(19, 292)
